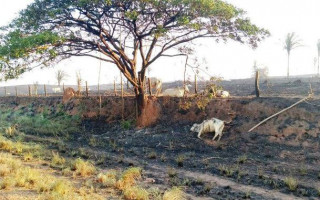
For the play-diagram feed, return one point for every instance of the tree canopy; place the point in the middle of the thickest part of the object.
(132, 34)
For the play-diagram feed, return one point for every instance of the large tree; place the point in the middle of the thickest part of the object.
(291, 42)
(131, 34)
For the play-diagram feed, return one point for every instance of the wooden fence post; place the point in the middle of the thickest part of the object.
(149, 86)
(195, 84)
(121, 86)
(114, 88)
(5, 91)
(87, 89)
(100, 104)
(29, 87)
(16, 91)
(257, 84)
(45, 90)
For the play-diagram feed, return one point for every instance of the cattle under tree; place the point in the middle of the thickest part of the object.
(131, 34)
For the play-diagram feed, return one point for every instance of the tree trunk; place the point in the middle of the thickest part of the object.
(257, 84)
(288, 65)
(184, 77)
(141, 100)
(140, 106)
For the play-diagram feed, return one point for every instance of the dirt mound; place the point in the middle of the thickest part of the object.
(150, 114)
(68, 94)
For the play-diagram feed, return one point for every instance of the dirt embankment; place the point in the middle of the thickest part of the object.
(242, 112)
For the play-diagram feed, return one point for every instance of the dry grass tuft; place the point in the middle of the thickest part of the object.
(10, 131)
(83, 168)
(174, 194)
(57, 160)
(129, 178)
(291, 182)
(28, 156)
(108, 179)
(135, 193)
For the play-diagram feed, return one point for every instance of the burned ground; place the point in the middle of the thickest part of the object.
(257, 165)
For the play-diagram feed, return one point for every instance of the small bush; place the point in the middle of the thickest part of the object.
(26, 177)
(135, 193)
(6, 145)
(152, 155)
(242, 159)
(61, 187)
(7, 183)
(108, 179)
(28, 156)
(180, 159)
(83, 168)
(129, 178)
(228, 171)
(126, 124)
(174, 194)
(291, 183)
(172, 173)
(4, 170)
(11, 130)
(57, 160)
(66, 171)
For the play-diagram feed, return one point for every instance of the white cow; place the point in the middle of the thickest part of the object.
(207, 126)
(156, 84)
(56, 90)
(175, 92)
(223, 94)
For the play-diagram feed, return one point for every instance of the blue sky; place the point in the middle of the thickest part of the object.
(230, 60)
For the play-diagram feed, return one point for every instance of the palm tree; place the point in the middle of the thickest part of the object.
(291, 42)
(318, 45)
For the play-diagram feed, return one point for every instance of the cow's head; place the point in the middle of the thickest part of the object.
(195, 128)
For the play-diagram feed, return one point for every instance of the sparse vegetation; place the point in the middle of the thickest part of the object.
(57, 160)
(11, 130)
(83, 168)
(152, 155)
(126, 124)
(135, 193)
(174, 194)
(242, 159)
(291, 183)
(303, 170)
(180, 159)
(108, 179)
(172, 172)
(260, 172)
(225, 170)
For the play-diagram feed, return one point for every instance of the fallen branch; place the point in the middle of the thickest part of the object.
(211, 158)
(278, 113)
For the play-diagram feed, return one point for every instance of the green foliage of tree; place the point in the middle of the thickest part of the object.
(131, 34)
(291, 42)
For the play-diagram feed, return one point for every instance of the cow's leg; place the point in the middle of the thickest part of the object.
(215, 135)
(199, 134)
(220, 132)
